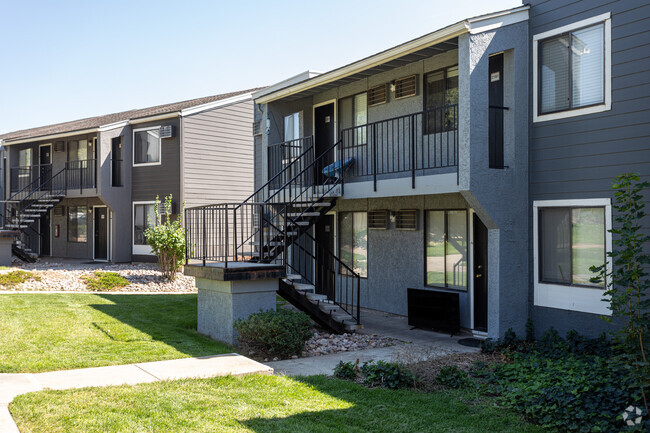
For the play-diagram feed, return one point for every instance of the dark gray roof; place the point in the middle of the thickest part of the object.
(94, 122)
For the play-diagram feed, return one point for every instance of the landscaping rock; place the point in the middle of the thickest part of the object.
(323, 343)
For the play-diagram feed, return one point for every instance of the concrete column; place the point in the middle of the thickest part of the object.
(220, 303)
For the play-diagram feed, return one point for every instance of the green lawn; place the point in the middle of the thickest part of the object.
(44, 332)
(259, 404)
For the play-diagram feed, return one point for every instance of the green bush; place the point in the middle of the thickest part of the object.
(453, 377)
(13, 278)
(166, 237)
(377, 374)
(280, 333)
(100, 281)
(346, 370)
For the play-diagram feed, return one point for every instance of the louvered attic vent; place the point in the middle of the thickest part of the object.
(166, 131)
(405, 87)
(59, 146)
(406, 220)
(377, 95)
(257, 127)
(378, 219)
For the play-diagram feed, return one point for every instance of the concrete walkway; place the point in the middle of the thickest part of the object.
(12, 385)
(415, 345)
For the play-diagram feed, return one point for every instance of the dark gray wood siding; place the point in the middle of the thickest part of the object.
(159, 180)
(577, 157)
(218, 155)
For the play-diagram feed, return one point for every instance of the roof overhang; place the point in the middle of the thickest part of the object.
(303, 82)
(49, 137)
(217, 104)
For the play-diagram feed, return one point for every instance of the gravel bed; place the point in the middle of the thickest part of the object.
(56, 276)
(324, 343)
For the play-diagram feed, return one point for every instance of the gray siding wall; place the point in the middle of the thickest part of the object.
(77, 250)
(159, 180)
(577, 157)
(218, 155)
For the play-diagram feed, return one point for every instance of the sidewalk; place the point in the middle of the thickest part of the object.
(12, 385)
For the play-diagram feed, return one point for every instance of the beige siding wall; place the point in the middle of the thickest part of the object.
(217, 161)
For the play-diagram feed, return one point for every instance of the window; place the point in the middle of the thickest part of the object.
(77, 224)
(572, 69)
(446, 249)
(571, 240)
(360, 107)
(353, 241)
(570, 237)
(78, 150)
(144, 216)
(146, 146)
(24, 167)
(441, 100)
(25, 158)
(291, 151)
(117, 161)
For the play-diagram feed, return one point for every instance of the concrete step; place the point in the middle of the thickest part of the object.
(43, 205)
(329, 307)
(294, 277)
(319, 204)
(302, 287)
(317, 297)
(17, 226)
(303, 215)
(300, 223)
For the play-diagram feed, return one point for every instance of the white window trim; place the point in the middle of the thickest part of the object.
(144, 164)
(139, 249)
(603, 18)
(564, 297)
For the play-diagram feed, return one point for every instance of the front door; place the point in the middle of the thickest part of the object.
(44, 230)
(45, 165)
(323, 137)
(101, 233)
(325, 272)
(480, 275)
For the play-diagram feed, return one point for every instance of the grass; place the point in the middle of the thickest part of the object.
(100, 281)
(261, 404)
(44, 332)
(13, 278)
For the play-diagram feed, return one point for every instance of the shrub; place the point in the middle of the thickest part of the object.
(100, 281)
(387, 375)
(453, 377)
(166, 236)
(280, 333)
(13, 278)
(346, 370)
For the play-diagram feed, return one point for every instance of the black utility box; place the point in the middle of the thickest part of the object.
(430, 309)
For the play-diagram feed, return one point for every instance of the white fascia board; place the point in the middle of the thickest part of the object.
(50, 137)
(370, 62)
(114, 125)
(154, 118)
(496, 20)
(216, 104)
(303, 76)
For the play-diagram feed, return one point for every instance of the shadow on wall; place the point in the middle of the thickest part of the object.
(170, 319)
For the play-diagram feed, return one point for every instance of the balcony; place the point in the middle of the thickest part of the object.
(412, 145)
(78, 175)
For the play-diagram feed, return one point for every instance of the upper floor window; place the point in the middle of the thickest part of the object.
(78, 150)
(25, 157)
(571, 71)
(441, 100)
(146, 146)
(291, 133)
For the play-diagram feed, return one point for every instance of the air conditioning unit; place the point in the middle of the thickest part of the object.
(257, 127)
(166, 131)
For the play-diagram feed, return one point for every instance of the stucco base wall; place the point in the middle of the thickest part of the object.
(220, 303)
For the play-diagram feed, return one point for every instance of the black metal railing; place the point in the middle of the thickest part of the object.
(410, 143)
(81, 174)
(22, 176)
(51, 186)
(282, 155)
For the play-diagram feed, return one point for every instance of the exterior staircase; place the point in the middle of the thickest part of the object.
(25, 208)
(273, 226)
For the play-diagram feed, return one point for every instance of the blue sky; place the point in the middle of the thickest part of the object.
(65, 60)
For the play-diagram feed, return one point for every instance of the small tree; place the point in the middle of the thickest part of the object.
(628, 283)
(167, 239)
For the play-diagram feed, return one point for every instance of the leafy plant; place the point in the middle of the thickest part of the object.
(13, 278)
(280, 333)
(387, 375)
(628, 283)
(100, 281)
(167, 239)
(346, 370)
(453, 377)
(530, 331)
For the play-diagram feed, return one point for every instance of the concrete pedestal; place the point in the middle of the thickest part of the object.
(6, 240)
(228, 294)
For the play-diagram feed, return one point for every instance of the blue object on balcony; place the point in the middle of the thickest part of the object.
(332, 169)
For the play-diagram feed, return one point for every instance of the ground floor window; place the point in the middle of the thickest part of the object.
(77, 224)
(144, 216)
(353, 241)
(446, 249)
(570, 237)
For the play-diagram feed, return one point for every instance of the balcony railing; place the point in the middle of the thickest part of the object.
(81, 174)
(282, 155)
(25, 175)
(414, 143)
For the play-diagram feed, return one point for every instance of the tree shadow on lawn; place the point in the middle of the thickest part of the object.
(387, 411)
(170, 319)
